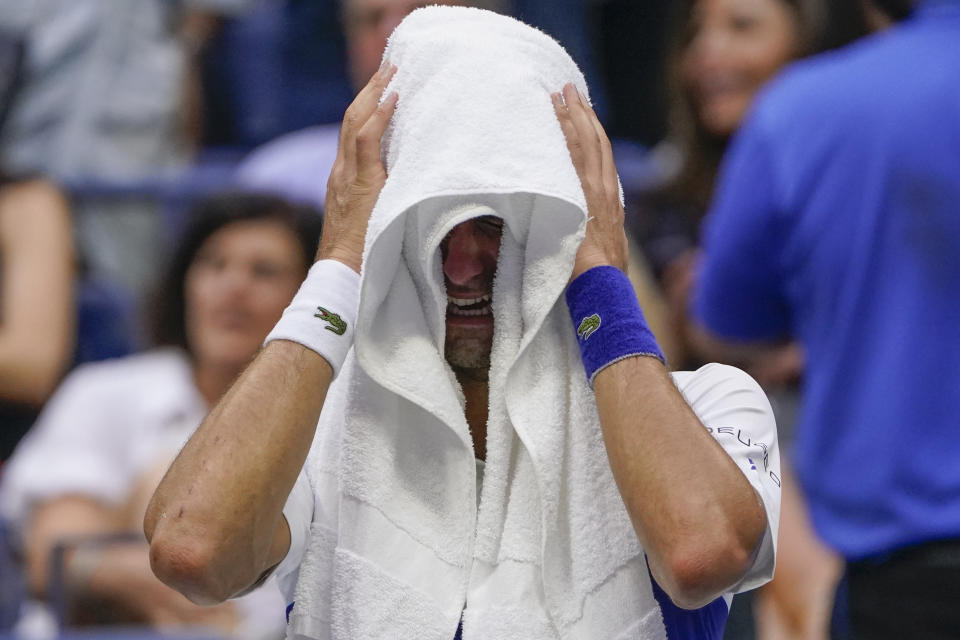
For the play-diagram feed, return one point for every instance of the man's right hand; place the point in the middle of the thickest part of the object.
(358, 173)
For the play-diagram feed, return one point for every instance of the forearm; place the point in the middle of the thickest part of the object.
(37, 317)
(215, 522)
(29, 367)
(697, 516)
(67, 517)
(117, 572)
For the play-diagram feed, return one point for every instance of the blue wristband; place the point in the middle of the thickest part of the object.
(608, 320)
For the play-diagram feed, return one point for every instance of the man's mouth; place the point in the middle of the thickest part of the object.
(481, 306)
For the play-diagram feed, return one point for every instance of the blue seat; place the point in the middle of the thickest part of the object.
(107, 324)
(12, 590)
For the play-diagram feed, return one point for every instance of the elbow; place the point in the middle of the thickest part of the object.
(189, 566)
(694, 575)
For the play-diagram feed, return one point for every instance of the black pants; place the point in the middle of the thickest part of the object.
(911, 594)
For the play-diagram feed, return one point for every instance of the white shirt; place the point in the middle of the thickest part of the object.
(108, 424)
(728, 402)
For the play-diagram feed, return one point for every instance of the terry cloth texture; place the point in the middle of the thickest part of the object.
(604, 307)
(402, 549)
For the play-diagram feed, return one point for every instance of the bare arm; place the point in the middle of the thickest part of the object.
(215, 523)
(36, 291)
(54, 520)
(697, 516)
(771, 364)
(798, 603)
(118, 573)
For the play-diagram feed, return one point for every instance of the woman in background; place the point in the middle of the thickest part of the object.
(107, 433)
(724, 52)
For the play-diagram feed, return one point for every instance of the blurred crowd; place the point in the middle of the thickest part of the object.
(163, 171)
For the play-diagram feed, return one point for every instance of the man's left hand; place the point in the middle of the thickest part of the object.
(592, 155)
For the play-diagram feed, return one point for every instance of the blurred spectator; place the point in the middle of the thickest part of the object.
(87, 467)
(296, 165)
(104, 91)
(36, 301)
(276, 68)
(281, 66)
(100, 89)
(836, 222)
(723, 53)
(569, 22)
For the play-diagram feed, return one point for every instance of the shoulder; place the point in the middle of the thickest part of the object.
(836, 82)
(725, 396)
(715, 379)
(291, 164)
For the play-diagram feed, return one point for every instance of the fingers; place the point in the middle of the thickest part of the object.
(587, 142)
(360, 111)
(592, 155)
(569, 130)
(369, 136)
(584, 144)
(609, 176)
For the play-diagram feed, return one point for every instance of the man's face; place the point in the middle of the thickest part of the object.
(469, 254)
(368, 24)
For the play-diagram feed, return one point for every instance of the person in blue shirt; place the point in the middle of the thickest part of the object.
(836, 222)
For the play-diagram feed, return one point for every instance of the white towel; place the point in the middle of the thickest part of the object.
(401, 549)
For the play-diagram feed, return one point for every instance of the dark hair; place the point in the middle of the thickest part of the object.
(895, 9)
(205, 218)
(821, 25)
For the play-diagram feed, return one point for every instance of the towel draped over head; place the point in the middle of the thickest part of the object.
(399, 547)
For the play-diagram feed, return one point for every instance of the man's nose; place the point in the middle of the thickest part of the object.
(462, 263)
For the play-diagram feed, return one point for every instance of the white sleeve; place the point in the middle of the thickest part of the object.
(298, 512)
(735, 410)
(76, 446)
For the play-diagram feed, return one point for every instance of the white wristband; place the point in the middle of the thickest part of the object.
(322, 314)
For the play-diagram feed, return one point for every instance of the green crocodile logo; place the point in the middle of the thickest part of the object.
(587, 326)
(335, 323)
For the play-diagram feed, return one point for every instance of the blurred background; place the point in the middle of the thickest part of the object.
(123, 124)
